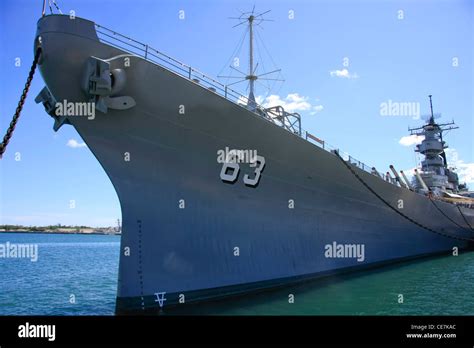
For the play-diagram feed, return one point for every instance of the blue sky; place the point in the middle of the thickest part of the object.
(402, 60)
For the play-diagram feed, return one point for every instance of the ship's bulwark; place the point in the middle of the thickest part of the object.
(185, 231)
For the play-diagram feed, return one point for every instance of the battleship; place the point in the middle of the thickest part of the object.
(196, 228)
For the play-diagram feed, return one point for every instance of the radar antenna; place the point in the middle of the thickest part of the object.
(429, 118)
(251, 19)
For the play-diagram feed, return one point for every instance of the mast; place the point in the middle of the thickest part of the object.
(290, 121)
(432, 121)
(251, 19)
(251, 77)
(431, 108)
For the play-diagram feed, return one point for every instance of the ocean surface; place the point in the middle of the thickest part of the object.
(77, 275)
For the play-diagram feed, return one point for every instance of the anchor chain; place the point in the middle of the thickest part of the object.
(447, 217)
(16, 116)
(394, 209)
(464, 217)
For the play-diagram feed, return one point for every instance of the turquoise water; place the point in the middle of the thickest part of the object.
(86, 266)
(81, 265)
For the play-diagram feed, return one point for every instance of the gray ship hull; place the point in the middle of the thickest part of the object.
(185, 231)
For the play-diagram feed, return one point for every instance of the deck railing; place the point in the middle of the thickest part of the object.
(151, 54)
(142, 50)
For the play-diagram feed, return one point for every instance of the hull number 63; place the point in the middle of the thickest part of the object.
(230, 172)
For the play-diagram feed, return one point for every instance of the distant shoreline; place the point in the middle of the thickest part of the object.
(63, 232)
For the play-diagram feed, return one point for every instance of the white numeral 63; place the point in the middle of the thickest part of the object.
(235, 168)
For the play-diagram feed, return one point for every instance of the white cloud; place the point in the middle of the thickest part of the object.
(293, 102)
(464, 170)
(344, 73)
(411, 140)
(75, 144)
(316, 109)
